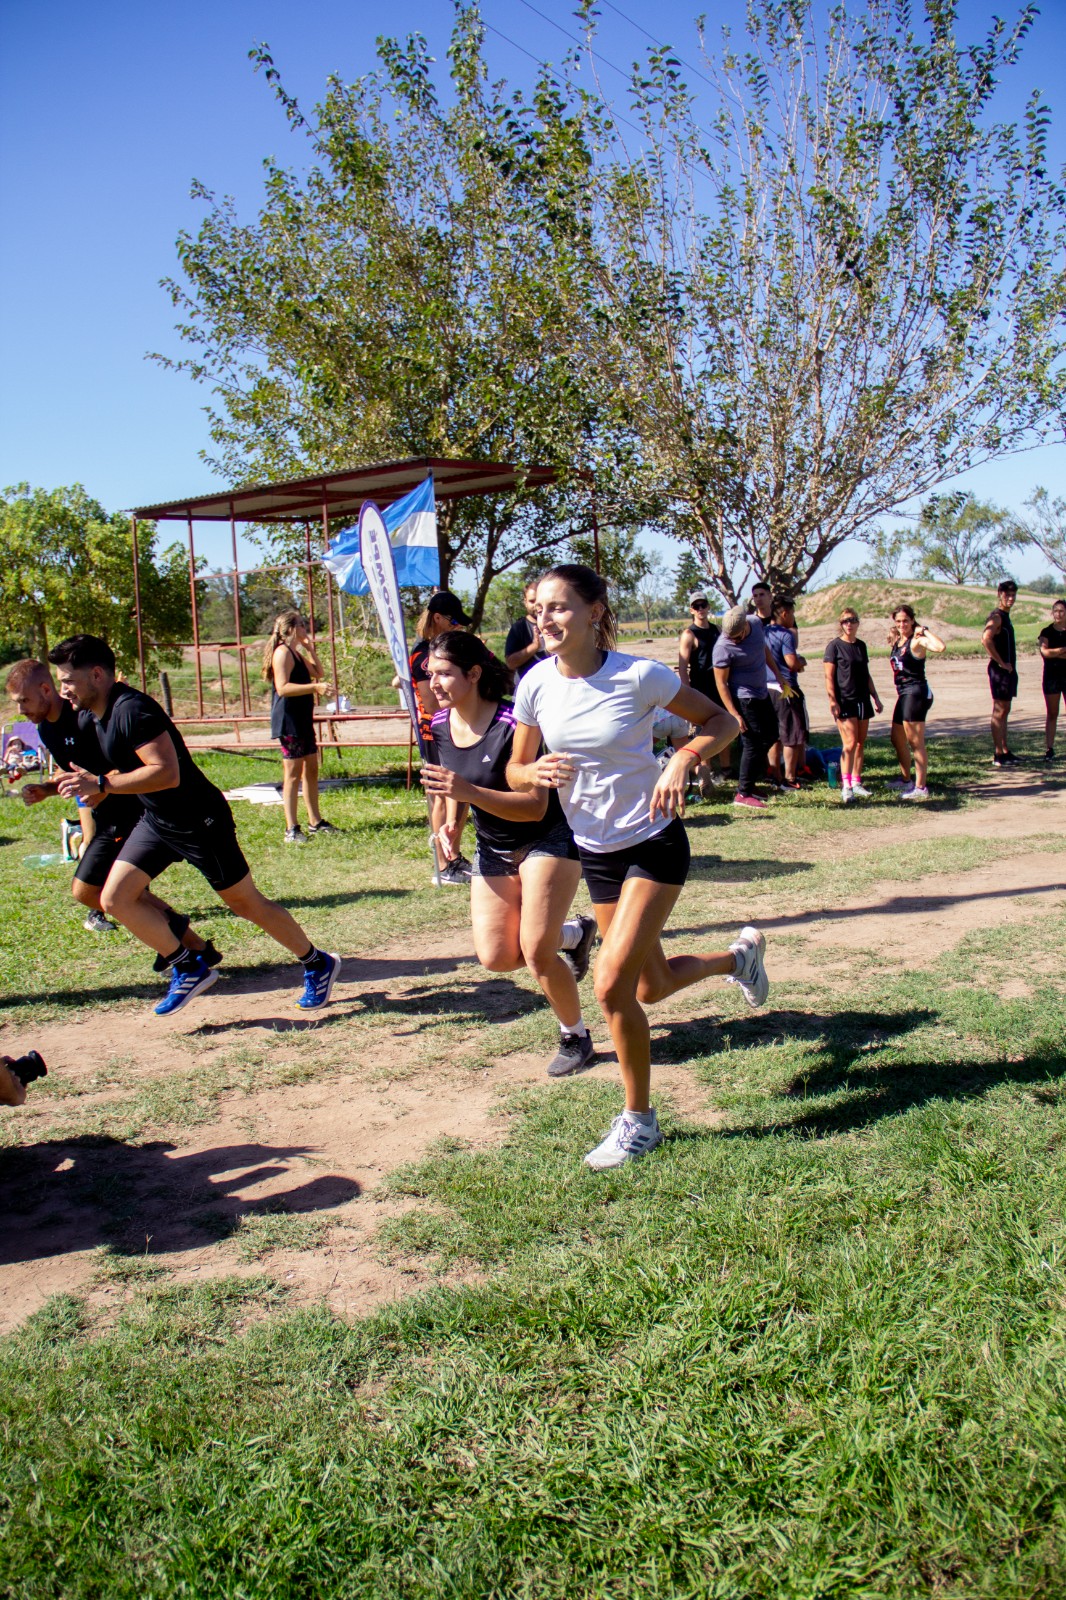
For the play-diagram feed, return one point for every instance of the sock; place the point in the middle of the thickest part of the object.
(180, 958)
(846, 779)
(646, 1119)
(572, 934)
(579, 1028)
(314, 960)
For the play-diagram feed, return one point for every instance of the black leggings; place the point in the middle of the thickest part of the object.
(758, 733)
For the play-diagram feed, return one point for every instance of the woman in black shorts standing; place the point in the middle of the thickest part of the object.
(525, 868)
(594, 709)
(295, 674)
(852, 699)
(909, 643)
(1053, 650)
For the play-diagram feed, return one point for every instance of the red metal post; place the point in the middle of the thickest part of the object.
(137, 608)
(195, 621)
(310, 583)
(241, 672)
(329, 598)
(222, 682)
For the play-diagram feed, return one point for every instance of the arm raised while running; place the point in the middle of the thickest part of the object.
(158, 770)
(717, 730)
(526, 770)
(505, 803)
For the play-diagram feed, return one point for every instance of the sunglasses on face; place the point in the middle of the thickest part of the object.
(699, 605)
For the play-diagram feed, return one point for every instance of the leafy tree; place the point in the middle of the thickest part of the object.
(416, 291)
(688, 576)
(960, 539)
(622, 562)
(652, 588)
(845, 291)
(66, 566)
(889, 550)
(1044, 527)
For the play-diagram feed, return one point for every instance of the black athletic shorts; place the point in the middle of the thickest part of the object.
(856, 710)
(792, 727)
(1002, 682)
(664, 858)
(1054, 682)
(97, 859)
(212, 850)
(911, 706)
(298, 746)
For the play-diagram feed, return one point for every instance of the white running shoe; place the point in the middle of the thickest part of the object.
(860, 793)
(915, 794)
(900, 783)
(750, 976)
(845, 795)
(625, 1141)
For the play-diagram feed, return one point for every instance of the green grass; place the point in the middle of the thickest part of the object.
(815, 1351)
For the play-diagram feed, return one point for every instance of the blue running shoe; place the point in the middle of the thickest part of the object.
(318, 986)
(185, 984)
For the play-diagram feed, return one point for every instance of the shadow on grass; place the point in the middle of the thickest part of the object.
(719, 869)
(495, 1001)
(844, 1036)
(75, 1194)
(905, 905)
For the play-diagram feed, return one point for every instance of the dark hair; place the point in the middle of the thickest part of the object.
(466, 650)
(593, 590)
(83, 650)
(781, 602)
(1006, 585)
(908, 611)
(760, 584)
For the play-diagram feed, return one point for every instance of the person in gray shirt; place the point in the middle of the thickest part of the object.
(742, 660)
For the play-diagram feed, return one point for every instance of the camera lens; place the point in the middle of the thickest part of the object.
(29, 1067)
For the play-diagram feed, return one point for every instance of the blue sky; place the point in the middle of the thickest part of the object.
(107, 112)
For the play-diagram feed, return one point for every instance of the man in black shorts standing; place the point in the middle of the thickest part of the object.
(70, 738)
(695, 668)
(998, 640)
(185, 819)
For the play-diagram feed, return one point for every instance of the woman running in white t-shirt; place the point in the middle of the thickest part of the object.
(593, 708)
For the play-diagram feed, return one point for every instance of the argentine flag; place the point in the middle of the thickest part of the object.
(412, 525)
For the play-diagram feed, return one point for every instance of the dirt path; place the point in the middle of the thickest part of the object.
(315, 1153)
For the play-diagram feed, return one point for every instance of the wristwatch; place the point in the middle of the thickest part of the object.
(102, 782)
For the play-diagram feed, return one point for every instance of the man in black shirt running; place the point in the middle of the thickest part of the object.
(70, 738)
(998, 640)
(186, 818)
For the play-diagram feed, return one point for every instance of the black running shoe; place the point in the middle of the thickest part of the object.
(575, 1053)
(1011, 759)
(457, 873)
(1000, 761)
(1049, 756)
(578, 960)
(211, 956)
(322, 827)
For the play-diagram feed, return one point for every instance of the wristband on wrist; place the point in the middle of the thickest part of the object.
(687, 750)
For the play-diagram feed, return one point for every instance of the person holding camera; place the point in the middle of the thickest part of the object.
(16, 1074)
(910, 642)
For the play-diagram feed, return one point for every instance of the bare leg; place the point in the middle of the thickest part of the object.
(916, 739)
(794, 754)
(1051, 703)
(863, 728)
(848, 729)
(495, 914)
(1000, 713)
(87, 894)
(246, 901)
(290, 789)
(901, 745)
(549, 884)
(773, 759)
(310, 783)
(123, 898)
(631, 967)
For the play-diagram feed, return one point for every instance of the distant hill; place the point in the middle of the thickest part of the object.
(954, 605)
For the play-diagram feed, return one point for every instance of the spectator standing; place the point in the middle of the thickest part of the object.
(761, 603)
(1053, 650)
(998, 640)
(695, 668)
(741, 659)
(782, 639)
(443, 613)
(852, 698)
(295, 675)
(523, 647)
(910, 642)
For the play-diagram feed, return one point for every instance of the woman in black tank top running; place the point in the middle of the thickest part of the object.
(909, 643)
(295, 674)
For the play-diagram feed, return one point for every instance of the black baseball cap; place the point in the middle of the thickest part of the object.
(445, 604)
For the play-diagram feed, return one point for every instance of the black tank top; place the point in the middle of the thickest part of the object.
(1005, 637)
(907, 669)
(700, 666)
(293, 715)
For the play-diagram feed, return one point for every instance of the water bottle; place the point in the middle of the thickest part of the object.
(832, 773)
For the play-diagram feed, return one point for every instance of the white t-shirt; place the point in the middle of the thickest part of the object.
(605, 723)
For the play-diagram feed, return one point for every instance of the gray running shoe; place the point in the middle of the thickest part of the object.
(322, 826)
(625, 1141)
(578, 960)
(96, 922)
(295, 835)
(860, 792)
(457, 873)
(750, 976)
(574, 1054)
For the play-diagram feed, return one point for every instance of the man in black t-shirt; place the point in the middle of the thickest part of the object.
(70, 738)
(523, 647)
(998, 640)
(186, 818)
